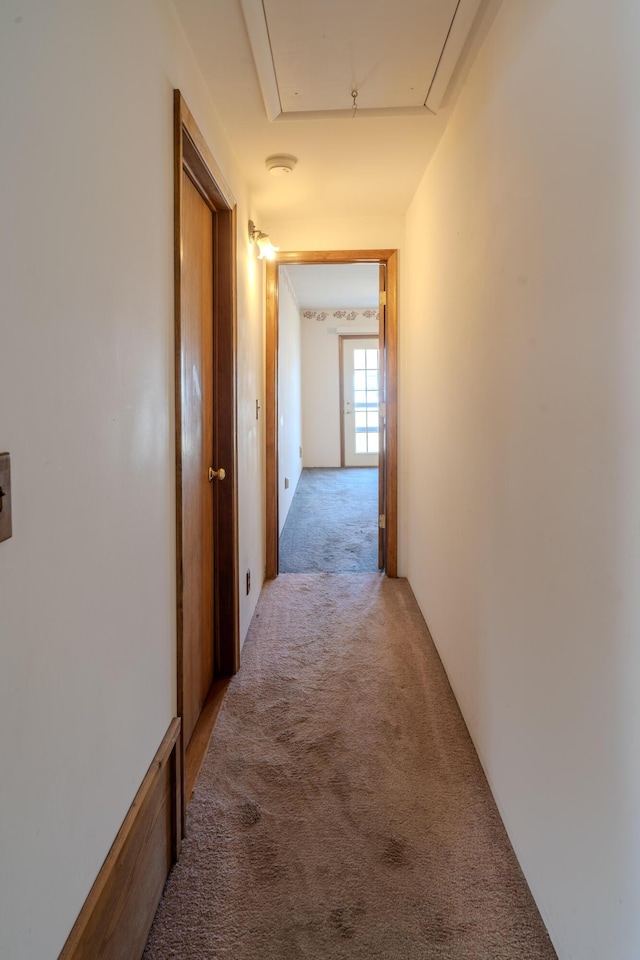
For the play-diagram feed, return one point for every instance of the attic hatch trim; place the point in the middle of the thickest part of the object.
(260, 42)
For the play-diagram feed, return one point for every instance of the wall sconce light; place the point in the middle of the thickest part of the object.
(266, 250)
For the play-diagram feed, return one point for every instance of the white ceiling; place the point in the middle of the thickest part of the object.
(367, 165)
(320, 286)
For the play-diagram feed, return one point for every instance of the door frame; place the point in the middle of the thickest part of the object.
(192, 155)
(388, 345)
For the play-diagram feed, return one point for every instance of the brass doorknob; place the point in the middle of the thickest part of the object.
(216, 474)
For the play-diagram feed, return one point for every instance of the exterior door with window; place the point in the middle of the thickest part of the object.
(360, 401)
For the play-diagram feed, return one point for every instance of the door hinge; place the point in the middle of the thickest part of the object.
(383, 298)
(382, 410)
(382, 521)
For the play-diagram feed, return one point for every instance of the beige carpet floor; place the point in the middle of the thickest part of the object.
(341, 811)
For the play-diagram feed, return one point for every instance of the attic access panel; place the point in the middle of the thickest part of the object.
(399, 57)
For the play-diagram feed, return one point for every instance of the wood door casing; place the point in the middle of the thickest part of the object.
(388, 259)
(197, 457)
(382, 454)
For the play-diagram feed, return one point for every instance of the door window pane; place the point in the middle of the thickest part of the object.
(365, 398)
(359, 359)
(360, 380)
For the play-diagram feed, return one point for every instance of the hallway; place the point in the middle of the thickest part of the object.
(341, 811)
(510, 216)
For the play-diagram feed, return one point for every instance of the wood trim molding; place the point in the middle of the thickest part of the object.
(199, 156)
(391, 464)
(192, 155)
(389, 258)
(227, 600)
(199, 742)
(271, 421)
(382, 459)
(341, 387)
(334, 256)
(115, 920)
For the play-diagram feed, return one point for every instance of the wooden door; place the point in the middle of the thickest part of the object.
(197, 362)
(207, 580)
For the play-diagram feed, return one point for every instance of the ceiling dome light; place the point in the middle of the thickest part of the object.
(280, 164)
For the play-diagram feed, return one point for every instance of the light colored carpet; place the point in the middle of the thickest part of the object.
(341, 811)
(332, 526)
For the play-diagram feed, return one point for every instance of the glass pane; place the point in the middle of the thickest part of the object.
(360, 380)
(372, 397)
(372, 420)
(372, 380)
(361, 443)
(360, 398)
(372, 359)
(373, 443)
(359, 359)
(361, 421)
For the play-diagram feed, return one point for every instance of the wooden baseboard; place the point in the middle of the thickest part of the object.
(202, 734)
(115, 920)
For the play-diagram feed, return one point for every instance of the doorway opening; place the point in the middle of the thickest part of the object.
(358, 410)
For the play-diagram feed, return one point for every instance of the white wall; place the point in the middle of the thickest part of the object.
(87, 598)
(521, 462)
(338, 233)
(320, 395)
(321, 382)
(289, 395)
